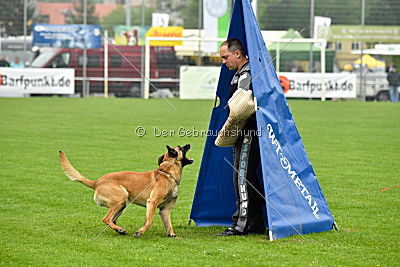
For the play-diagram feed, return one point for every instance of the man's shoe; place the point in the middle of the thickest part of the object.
(230, 232)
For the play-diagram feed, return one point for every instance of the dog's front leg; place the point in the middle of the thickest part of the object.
(151, 208)
(165, 214)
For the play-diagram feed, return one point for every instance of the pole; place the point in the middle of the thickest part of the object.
(362, 89)
(147, 70)
(25, 31)
(323, 46)
(310, 61)
(142, 58)
(278, 58)
(128, 13)
(106, 64)
(85, 90)
(199, 27)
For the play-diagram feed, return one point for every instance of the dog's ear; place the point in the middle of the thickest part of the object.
(160, 160)
(186, 147)
(172, 152)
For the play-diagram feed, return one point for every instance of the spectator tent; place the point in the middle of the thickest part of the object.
(300, 52)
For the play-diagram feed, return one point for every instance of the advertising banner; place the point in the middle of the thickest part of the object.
(159, 20)
(216, 22)
(310, 85)
(381, 34)
(201, 83)
(324, 23)
(17, 82)
(69, 36)
(171, 31)
(198, 82)
(134, 35)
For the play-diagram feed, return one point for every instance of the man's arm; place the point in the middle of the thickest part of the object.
(244, 81)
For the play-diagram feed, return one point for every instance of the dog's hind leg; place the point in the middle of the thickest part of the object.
(165, 214)
(111, 214)
(114, 197)
(118, 214)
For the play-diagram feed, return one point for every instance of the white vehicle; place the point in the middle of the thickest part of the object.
(376, 86)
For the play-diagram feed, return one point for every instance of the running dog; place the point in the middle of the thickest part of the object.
(151, 189)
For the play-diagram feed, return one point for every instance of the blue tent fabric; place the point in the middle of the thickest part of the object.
(295, 203)
(214, 199)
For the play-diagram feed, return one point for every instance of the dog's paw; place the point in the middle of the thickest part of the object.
(172, 236)
(137, 234)
(121, 231)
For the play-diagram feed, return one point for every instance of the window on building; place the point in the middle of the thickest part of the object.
(355, 46)
(338, 46)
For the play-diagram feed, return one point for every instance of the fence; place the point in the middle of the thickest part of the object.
(161, 70)
(201, 40)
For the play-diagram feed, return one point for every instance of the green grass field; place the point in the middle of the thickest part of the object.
(46, 219)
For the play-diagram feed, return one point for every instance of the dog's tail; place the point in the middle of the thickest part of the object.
(74, 174)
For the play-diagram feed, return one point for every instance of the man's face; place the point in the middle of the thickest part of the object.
(228, 58)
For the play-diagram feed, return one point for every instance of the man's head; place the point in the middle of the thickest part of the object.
(232, 54)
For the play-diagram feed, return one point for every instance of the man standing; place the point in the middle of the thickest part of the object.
(249, 216)
(4, 62)
(393, 78)
(17, 63)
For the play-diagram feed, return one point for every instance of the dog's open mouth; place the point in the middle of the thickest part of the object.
(186, 160)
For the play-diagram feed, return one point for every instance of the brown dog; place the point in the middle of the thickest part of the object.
(152, 189)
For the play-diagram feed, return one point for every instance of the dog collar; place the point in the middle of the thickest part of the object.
(169, 176)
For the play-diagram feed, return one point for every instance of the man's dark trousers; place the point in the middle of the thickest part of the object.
(249, 216)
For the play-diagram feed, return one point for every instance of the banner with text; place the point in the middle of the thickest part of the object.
(69, 36)
(201, 83)
(381, 34)
(17, 82)
(171, 31)
(310, 85)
